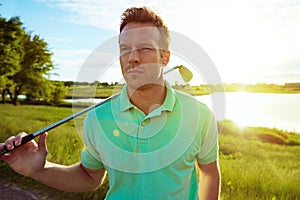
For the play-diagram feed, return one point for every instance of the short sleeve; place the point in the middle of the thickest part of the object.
(89, 156)
(209, 149)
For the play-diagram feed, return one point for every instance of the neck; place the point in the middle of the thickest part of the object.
(148, 98)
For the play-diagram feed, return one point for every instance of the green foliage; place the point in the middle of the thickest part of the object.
(11, 35)
(11, 52)
(263, 87)
(58, 93)
(25, 62)
(35, 64)
(263, 134)
(50, 92)
(83, 91)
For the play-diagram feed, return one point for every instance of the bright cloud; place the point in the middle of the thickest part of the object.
(71, 60)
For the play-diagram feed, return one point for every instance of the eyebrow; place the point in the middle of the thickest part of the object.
(146, 44)
(141, 44)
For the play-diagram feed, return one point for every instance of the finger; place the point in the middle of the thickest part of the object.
(13, 141)
(9, 143)
(19, 137)
(2, 145)
(42, 142)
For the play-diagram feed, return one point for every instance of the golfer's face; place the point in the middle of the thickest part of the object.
(140, 55)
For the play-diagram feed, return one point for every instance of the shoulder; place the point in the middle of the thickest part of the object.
(191, 101)
(104, 107)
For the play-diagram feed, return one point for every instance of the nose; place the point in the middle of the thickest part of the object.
(134, 58)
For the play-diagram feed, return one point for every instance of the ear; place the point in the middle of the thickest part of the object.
(165, 56)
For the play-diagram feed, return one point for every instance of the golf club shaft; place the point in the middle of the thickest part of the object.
(29, 137)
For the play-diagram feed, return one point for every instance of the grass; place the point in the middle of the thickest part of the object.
(64, 144)
(255, 169)
(92, 91)
(256, 162)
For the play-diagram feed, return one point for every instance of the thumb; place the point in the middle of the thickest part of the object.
(42, 142)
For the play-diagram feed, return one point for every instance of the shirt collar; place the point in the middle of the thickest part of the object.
(125, 104)
(168, 104)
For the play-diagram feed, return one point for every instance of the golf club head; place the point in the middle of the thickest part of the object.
(185, 73)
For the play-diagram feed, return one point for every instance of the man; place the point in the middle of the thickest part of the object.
(148, 139)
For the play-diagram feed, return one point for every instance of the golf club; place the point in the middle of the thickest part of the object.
(185, 73)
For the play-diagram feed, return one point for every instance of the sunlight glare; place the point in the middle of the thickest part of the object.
(241, 111)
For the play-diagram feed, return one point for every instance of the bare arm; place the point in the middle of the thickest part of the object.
(209, 181)
(30, 160)
(75, 178)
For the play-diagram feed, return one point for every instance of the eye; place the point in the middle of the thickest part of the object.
(146, 49)
(125, 50)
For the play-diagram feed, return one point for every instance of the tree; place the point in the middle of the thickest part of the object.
(25, 65)
(52, 92)
(11, 52)
(58, 93)
(35, 64)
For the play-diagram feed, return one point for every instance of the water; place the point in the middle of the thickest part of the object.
(280, 111)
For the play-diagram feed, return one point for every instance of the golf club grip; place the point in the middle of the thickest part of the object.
(25, 139)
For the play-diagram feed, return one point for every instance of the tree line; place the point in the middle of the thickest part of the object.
(25, 65)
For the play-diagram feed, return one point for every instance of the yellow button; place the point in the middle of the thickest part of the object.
(116, 133)
(143, 123)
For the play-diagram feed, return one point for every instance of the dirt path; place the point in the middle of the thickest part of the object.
(11, 192)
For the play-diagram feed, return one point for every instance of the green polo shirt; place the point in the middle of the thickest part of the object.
(150, 156)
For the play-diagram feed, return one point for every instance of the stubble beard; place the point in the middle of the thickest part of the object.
(142, 81)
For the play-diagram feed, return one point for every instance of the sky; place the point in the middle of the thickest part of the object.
(249, 41)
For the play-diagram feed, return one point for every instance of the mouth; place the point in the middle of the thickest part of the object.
(134, 71)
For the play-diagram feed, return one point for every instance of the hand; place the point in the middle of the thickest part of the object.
(27, 159)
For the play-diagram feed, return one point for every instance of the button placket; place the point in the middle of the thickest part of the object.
(141, 139)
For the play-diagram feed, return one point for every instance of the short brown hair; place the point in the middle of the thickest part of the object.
(145, 15)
